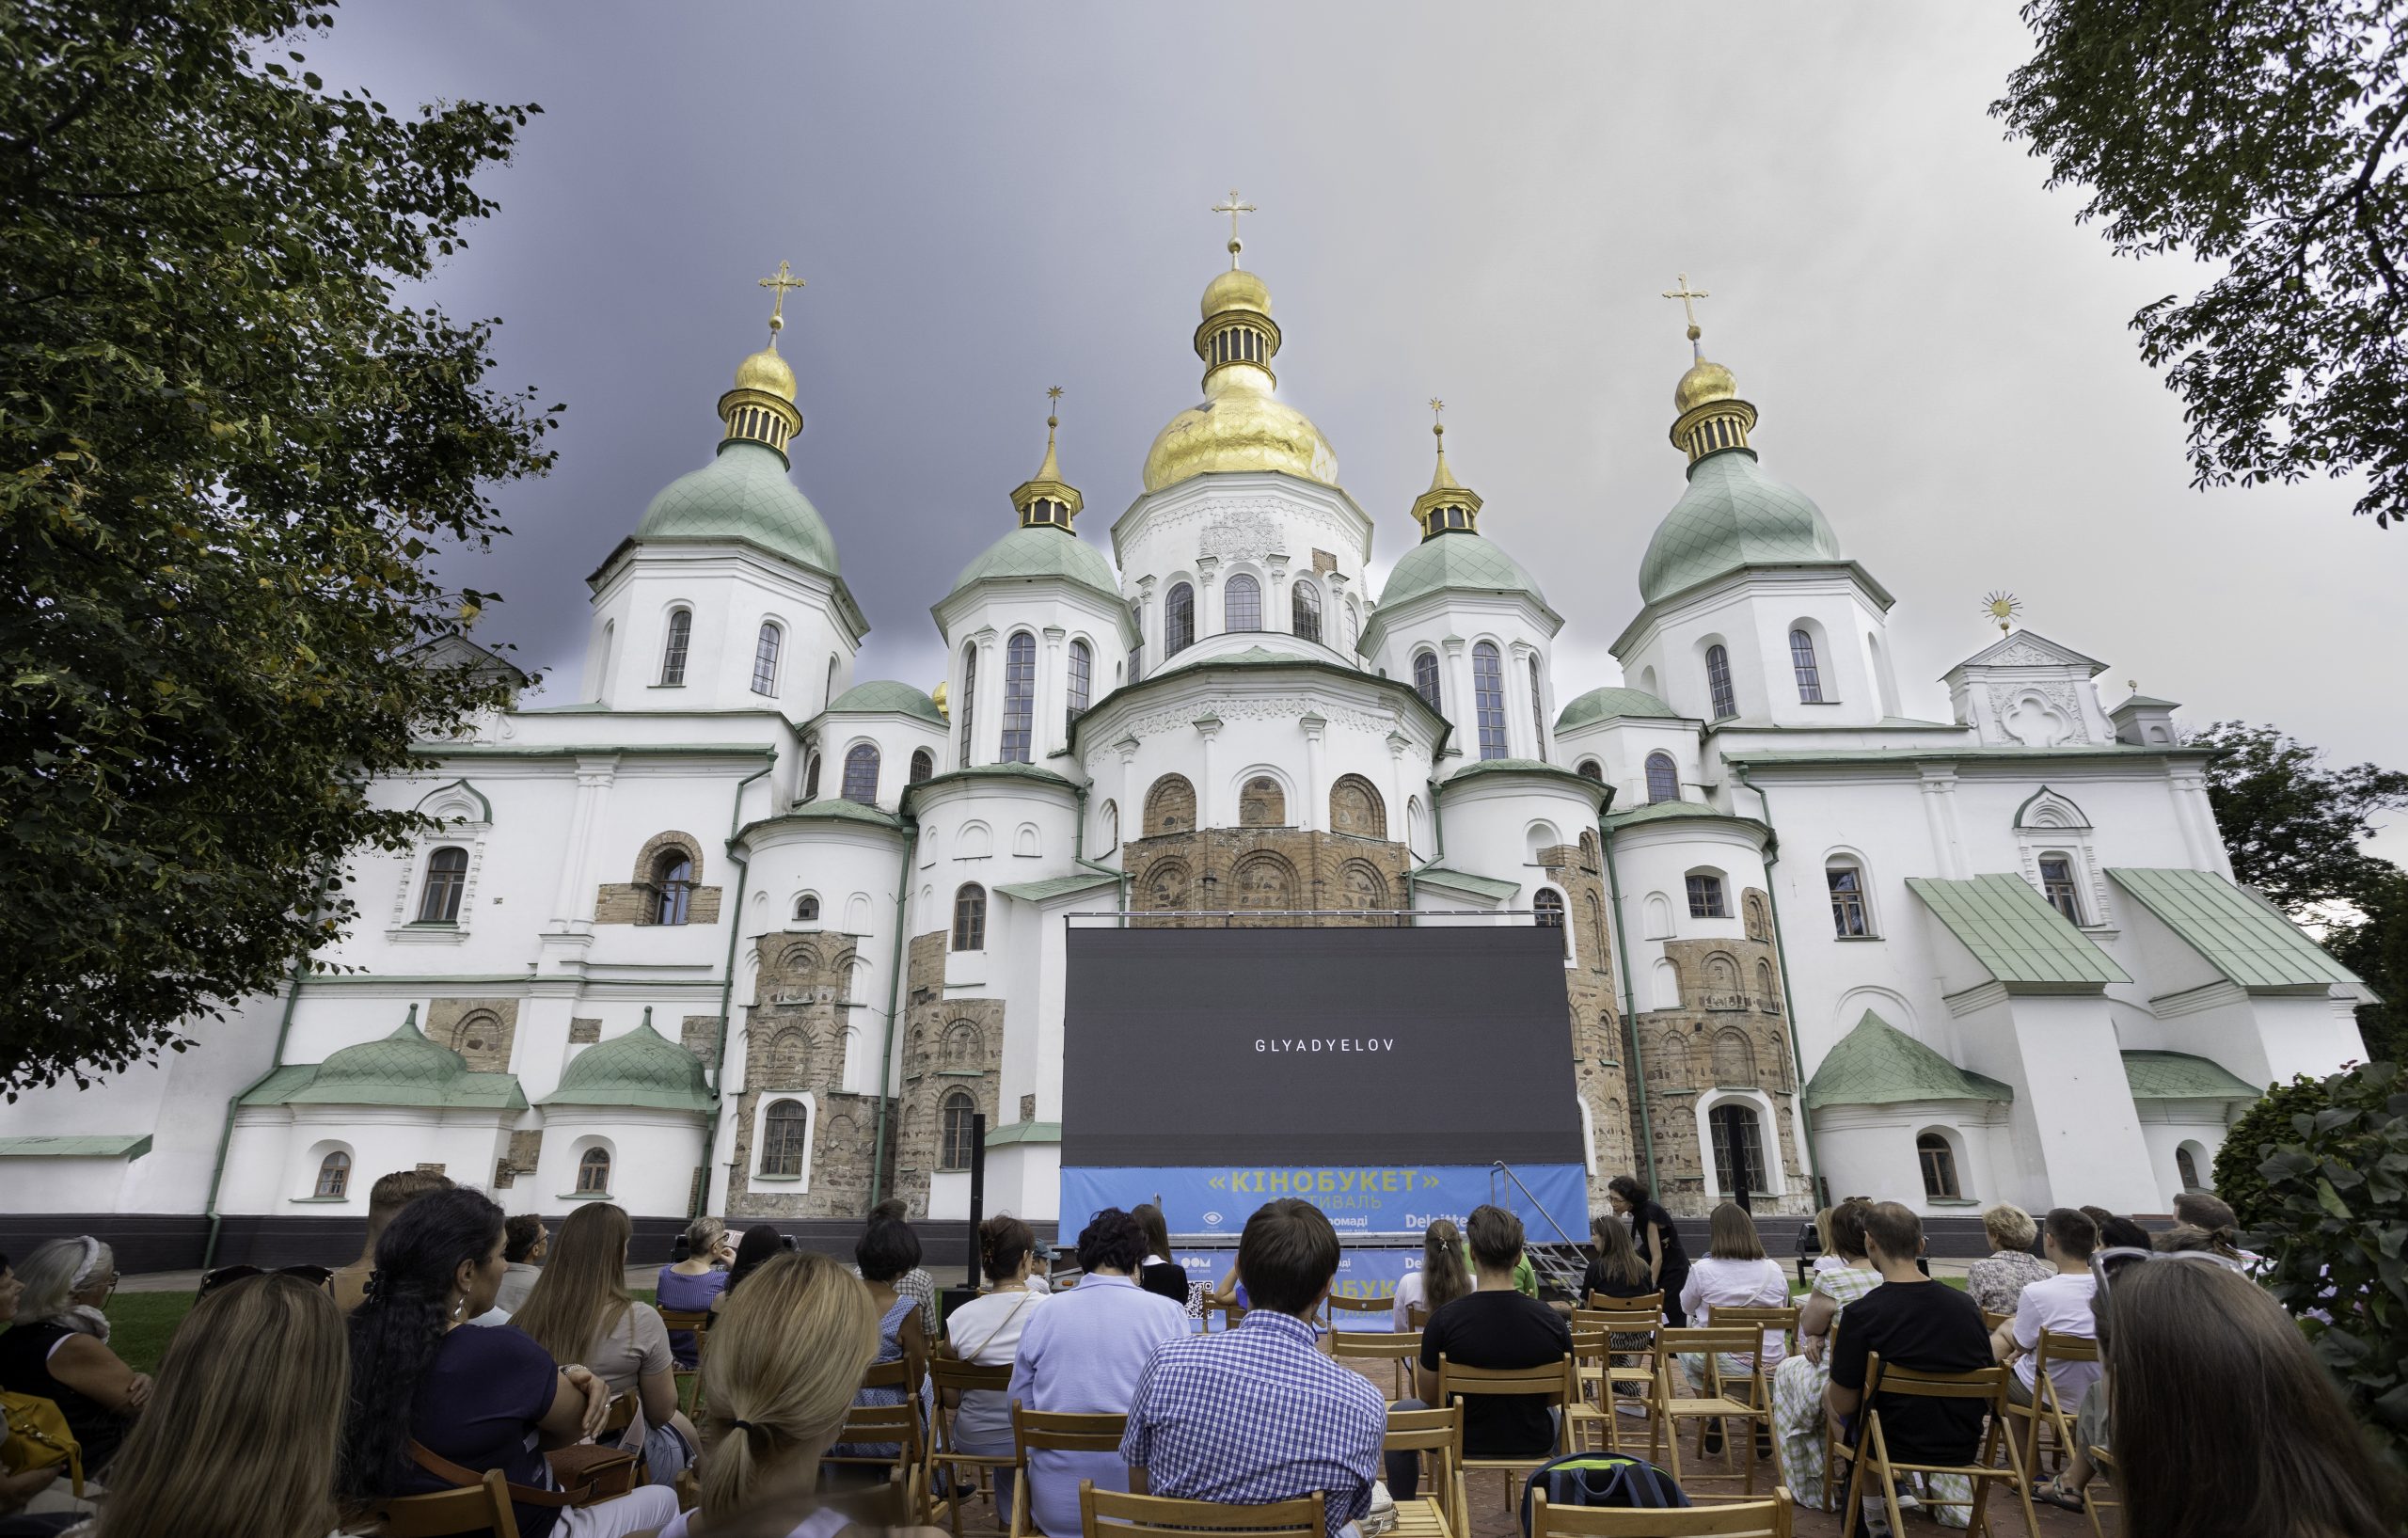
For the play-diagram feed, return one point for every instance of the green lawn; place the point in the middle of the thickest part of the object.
(140, 1323)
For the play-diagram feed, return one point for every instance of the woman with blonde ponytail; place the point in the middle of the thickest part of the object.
(1443, 1276)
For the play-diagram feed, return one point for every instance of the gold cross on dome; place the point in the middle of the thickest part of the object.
(1233, 208)
(780, 280)
(1688, 296)
(1437, 416)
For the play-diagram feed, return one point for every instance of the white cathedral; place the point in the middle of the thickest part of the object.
(733, 930)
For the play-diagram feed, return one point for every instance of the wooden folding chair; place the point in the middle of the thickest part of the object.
(1714, 1401)
(1400, 1348)
(1730, 1519)
(1230, 1313)
(947, 1373)
(689, 1379)
(1872, 1449)
(896, 1425)
(1650, 1302)
(1991, 1322)
(2047, 1408)
(1781, 1320)
(1551, 1381)
(1354, 1306)
(474, 1508)
(1119, 1515)
(1591, 1355)
(2104, 1463)
(1437, 1436)
(1417, 1314)
(1629, 1368)
(1054, 1431)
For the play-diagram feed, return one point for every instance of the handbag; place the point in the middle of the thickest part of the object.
(39, 1438)
(584, 1473)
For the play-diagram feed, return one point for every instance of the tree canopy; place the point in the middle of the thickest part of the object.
(231, 453)
(2267, 139)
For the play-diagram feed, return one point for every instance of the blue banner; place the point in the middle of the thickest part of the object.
(1361, 1199)
(1361, 1274)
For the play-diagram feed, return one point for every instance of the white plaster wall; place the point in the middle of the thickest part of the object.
(1053, 614)
(1452, 626)
(653, 1155)
(265, 1173)
(1259, 522)
(731, 590)
(853, 869)
(1870, 1150)
(2165, 1127)
(1752, 614)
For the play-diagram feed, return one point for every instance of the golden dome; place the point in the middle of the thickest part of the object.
(938, 695)
(766, 371)
(1241, 426)
(1705, 381)
(1236, 289)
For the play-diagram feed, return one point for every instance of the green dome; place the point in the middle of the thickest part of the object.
(1456, 560)
(1039, 551)
(886, 695)
(743, 495)
(1732, 516)
(403, 1069)
(1604, 704)
(642, 1067)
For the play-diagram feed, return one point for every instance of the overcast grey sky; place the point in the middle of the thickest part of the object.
(1481, 202)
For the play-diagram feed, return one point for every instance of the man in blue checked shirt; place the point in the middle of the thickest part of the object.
(1257, 1414)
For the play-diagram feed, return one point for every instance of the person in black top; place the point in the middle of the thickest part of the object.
(1656, 1240)
(1615, 1270)
(1160, 1273)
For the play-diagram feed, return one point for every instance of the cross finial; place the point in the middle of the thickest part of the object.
(1438, 419)
(780, 280)
(1234, 208)
(1053, 413)
(1689, 297)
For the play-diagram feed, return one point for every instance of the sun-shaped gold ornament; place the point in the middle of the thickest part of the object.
(2001, 607)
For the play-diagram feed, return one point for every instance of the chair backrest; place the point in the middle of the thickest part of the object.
(1991, 1322)
(1426, 1431)
(697, 1320)
(1361, 1305)
(1059, 1430)
(1769, 1320)
(1652, 1302)
(1988, 1384)
(873, 1424)
(1123, 1516)
(1552, 1380)
(952, 1373)
(894, 1374)
(620, 1416)
(475, 1508)
(1724, 1519)
(1615, 1319)
(1590, 1345)
(2057, 1347)
(1417, 1314)
(1375, 1345)
(1714, 1342)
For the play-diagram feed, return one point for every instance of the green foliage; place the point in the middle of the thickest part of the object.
(2291, 824)
(2334, 1228)
(2252, 1139)
(228, 456)
(2267, 139)
(2376, 948)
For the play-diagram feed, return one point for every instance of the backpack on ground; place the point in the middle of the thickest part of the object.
(1600, 1478)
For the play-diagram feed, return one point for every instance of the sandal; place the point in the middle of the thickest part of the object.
(2048, 1493)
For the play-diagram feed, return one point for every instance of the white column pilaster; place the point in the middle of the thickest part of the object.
(1314, 815)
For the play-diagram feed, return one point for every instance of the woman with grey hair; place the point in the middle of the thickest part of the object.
(59, 1349)
(1997, 1282)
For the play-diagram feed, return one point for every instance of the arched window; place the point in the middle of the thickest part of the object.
(860, 774)
(784, 1140)
(960, 1136)
(764, 659)
(673, 650)
(1170, 806)
(969, 696)
(811, 779)
(1718, 683)
(1356, 808)
(1705, 896)
(1589, 769)
(1305, 609)
(1020, 695)
(2185, 1167)
(1547, 909)
(1738, 1151)
(1845, 878)
(594, 1172)
(1179, 619)
(1938, 1168)
(1488, 698)
(1734, 1061)
(924, 765)
(673, 886)
(1757, 917)
(1081, 680)
(806, 907)
(1801, 661)
(970, 917)
(1663, 778)
(1262, 804)
(1596, 928)
(1766, 993)
(1241, 604)
(447, 877)
(334, 1175)
(1538, 711)
(2057, 885)
(1425, 679)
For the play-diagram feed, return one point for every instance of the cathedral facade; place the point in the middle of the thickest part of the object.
(733, 929)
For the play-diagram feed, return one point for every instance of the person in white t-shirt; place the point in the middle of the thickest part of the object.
(1735, 1272)
(1442, 1258)
(2061, 1304)
(985, 1332)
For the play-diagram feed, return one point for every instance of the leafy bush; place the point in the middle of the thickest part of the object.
(2253, 1138)
(2334, 1228)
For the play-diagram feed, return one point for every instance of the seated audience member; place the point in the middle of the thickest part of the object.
(915, 1284)
(693, 1279)
(1658, 1239)
(2224, 1423)
(760, 1244)
(476, 1399)
(2207, 1212)
(889, 1251)
(1040, 1263)
(1443, 1276)
(2099, 1217)
(1997, 1281)
(525, 1241)
(2090, 1424)
(1797, 1385)
(240, 1438)
(1258, 1414)
(18, 1489)
(1083, 1354)
(1493, 1326)
(1735, 1272)
(385, 1199)
(1160, 1273)
(1912, 1321)
(985, 1332)
(2060, 1302)
(581, 1312)
(1614, 1269)
(59, 1347)
(2123, 1233)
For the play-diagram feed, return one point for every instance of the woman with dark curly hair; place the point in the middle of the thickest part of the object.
(423, 1389)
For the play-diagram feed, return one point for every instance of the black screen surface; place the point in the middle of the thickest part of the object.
(1438, 1046)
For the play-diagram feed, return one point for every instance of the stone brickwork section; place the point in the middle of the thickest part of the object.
(1215, 868)
(480, 1030)
(525, 1148)
(796, 1041)
(1603, 1084)
(698, 1033)
(584, 1032)
(950, 1047)
(635, 902)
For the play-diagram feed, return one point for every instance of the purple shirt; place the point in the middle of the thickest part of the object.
(1083, 1354)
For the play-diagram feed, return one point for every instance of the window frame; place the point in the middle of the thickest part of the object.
(341, 1173)
(1671, 786)
(1230, 609)
(1079, 680)
(924, 766)
(2067, 887)
(1488, 700)
(784, 1137)
(1745, 1114)
(446, 888)
(860, 757)
(1431, 689)
(1179, 619)
(969, 697)
(1803, 664)
(1538, 709)
(1020, 698)
(673, 896)
(1708, 894)
(1723, 699)
(1547, 910)
(676, 647)
(1857, 897)
(956, 1148)
(594, 1158)
(767, 648)
(1305, 610)
(969, 917)
(1936, 1154)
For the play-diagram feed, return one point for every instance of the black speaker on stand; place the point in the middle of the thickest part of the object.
(954, 1297)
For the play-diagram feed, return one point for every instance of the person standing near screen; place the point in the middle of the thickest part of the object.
(1657, 1241)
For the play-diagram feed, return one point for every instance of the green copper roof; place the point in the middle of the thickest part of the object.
(1060, 886)
(403, 1069)
(1605, 704)
(1462, 880)
(1459, 561)
(2178, 1075)
(2015, 935)
(642, 1067)
(1479, 766)
(2148, 702)
(742, 495)
(1732, 516)
(885, 694)
(1877, 1064)
(993, 772)
(835, 809)
(1041, 552)
(2240, 934)
(1025, 1132)
(1661, 810)
(89, 1146)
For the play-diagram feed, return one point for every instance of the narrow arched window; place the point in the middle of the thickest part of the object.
(1425, 679)
(811, 779)
(1488, 698)
(1306, 610)
(960, 1131)
(672, 887)
(1801, 661)
(2057, 885)
(333, 1175)
(1241, 604)
(1705, 896)
(1938, 1168)
(1846, 879)
(672, 651)
(1547, 909)
(765, 659)
(1081, 680)
(1179, 619)
(1738, 1151)
(860, 774)
(594, 1172)
(806, 908)
(447, 877)
(1663, 778)
(970, 917)
(923, 766)
(1589, 769)
(784, 1130)
(969, 696)
(2185, 1167)
(1020, 695)
(1718, 683)
(1538, 710)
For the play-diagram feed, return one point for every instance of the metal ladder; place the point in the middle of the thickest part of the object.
(1560, 1261)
